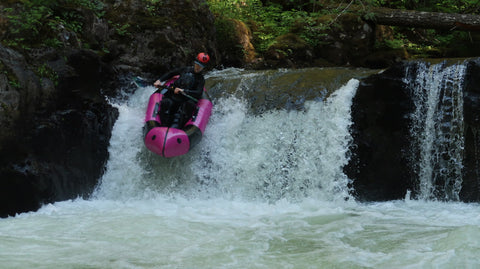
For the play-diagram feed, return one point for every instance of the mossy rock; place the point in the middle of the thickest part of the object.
(289, 47)
(234, 42)
(384, 58)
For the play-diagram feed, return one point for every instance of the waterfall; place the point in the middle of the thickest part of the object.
(437, 128)
(267, 154)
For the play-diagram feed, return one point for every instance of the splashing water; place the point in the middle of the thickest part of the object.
(278, 154)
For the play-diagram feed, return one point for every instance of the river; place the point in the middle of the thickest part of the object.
(263, 189)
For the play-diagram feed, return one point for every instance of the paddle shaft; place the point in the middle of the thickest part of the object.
(141, 82)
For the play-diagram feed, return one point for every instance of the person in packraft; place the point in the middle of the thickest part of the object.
(177, 105)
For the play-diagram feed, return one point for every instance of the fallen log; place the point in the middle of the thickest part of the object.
(421, 19)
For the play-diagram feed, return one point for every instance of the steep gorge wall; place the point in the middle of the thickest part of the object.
(56, 125)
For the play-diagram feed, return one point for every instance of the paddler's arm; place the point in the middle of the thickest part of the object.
(167, 76)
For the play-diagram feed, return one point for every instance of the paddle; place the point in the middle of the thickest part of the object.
(140, 82)
(189, 97)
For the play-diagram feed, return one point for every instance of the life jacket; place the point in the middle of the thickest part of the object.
(185, 81)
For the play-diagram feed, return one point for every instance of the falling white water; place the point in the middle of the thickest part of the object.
(437, 129)
(278, 154)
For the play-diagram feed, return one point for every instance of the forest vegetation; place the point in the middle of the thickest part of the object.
(27, 24)
(269, 19)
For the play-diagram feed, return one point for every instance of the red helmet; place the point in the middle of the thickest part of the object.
(203, 58)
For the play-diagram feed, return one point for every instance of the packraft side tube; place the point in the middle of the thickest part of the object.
(171, 142)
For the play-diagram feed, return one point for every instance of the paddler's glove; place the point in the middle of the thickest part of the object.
(158, 84)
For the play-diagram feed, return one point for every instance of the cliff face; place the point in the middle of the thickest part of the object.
(55, 120)
(55, 138)
(158, 37)
(471, 183)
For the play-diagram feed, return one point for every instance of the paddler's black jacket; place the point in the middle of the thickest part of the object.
(192, 83)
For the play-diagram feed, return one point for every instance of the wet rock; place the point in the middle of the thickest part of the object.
(158, 37)
(379, 166)
(348, 40)
(57, 143)
(289, 50)
(234, 42)
(471, 180)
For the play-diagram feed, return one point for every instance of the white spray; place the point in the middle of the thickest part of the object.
(275, 155)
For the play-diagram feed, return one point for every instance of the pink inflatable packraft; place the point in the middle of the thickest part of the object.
(170, 142)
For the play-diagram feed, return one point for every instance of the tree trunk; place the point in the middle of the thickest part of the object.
(420, 19)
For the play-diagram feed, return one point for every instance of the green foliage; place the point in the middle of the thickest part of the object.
(152, 6)
(14, 83)
(27, 26)
(269, 21)
(12, 79)
(312, 30)
(225, 30)
(44, 71)
(273, 22)
(122, 29)
(36, 23)
(226, 36)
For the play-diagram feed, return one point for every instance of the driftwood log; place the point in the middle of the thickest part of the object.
(421, 19)
(412, 18)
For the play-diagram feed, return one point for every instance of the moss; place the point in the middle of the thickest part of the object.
(234, 41)
(288, 49)
(326, 19)
(45, 71)
(291, 41)
(288, 45)
(12, 79)
(226, 33)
